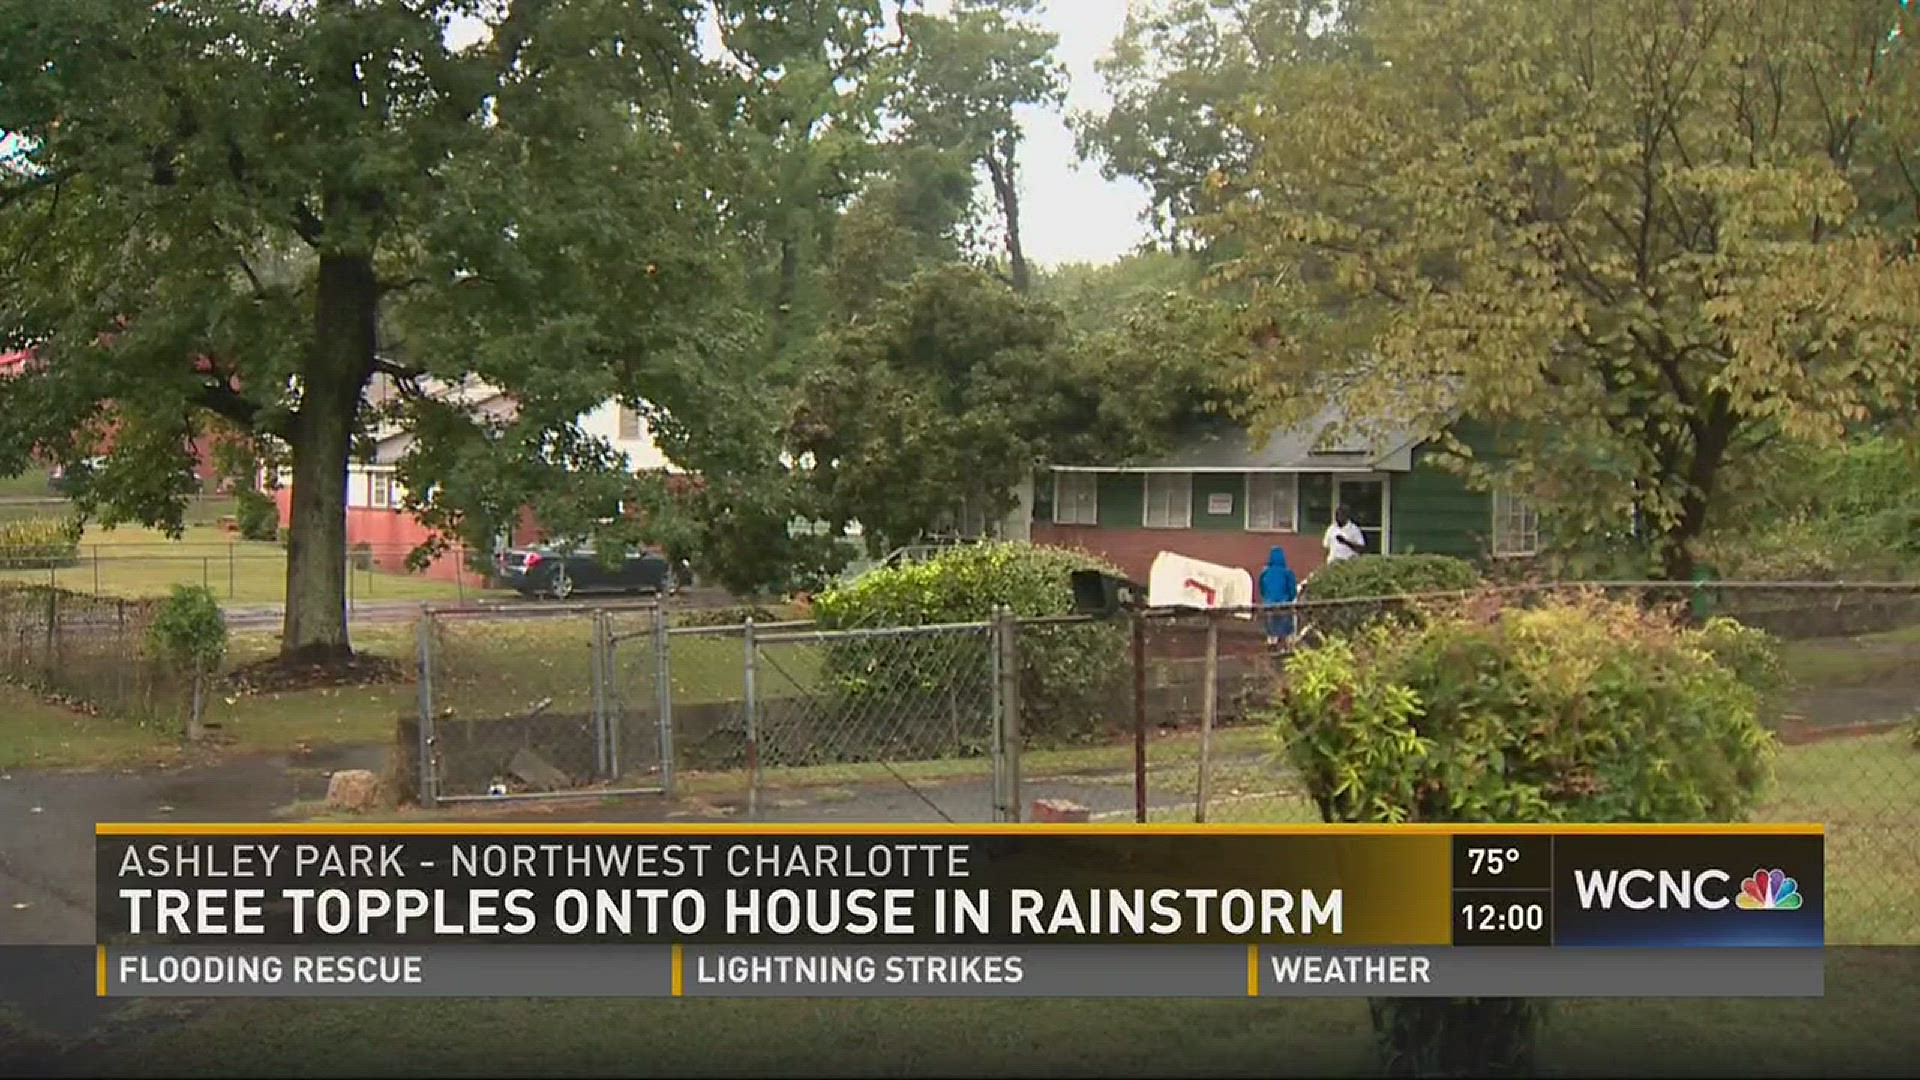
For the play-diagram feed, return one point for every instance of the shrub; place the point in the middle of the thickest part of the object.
(1392, 575)
(1369, 576)
(1794, 550)
(32, 543)
(1065, 671)
(1578, 709)
(1752, 654)
(189, 635)
(189, 631)
(256, 515)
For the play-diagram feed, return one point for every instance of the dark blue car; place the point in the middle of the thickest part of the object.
(560, 571)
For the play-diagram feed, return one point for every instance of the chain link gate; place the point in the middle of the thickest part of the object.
(535, 703)
(925, 707)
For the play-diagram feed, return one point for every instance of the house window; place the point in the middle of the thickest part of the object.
(1169, 501)
(1076, 498)
(629, 423)
(380, 490)
(1273, 502)
(1516, 525)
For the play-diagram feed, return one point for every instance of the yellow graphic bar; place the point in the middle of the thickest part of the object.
(679, 972)
(100, 972)
(1253, 971)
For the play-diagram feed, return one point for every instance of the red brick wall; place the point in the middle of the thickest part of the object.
(1133, 550)
(391, 534)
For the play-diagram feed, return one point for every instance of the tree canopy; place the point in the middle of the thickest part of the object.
(1643, 238)
(789, 236)
(250, 210)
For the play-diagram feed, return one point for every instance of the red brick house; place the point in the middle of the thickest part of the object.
(378, 523)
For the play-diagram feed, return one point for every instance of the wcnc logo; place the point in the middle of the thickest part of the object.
(1670, 890)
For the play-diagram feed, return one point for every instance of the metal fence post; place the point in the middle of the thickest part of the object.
(610, 675)
(126, 647)
(597, 676)
(753, 721)
(997, 741)
(50, 667)
(429, 797)
(1139, 717)
(232, 592)
(663, 692)
(1007, 698)
(1209, 703)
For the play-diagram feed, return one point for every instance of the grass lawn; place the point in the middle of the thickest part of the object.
(486, 669)
(134, 562)
(1853, 661)
(1866, 791)
(37, 734)
(32, 484)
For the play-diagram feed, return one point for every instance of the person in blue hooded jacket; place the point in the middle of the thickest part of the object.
(1278, 586)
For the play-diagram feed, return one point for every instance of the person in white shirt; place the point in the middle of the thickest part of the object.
(1344, 539)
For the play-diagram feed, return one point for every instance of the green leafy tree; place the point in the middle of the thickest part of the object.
(951, 391)
(967, 73)
(940, 398)
(1482, 712)
(1645, 238)
(913, 216)
(1180, 74)
(805, 94)
(1094, 297)
(241, 208)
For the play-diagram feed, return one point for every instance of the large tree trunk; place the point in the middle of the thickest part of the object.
(335, 375)
(1712, 435)
(1006, 190)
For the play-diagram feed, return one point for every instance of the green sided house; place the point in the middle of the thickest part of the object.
(1223, 498)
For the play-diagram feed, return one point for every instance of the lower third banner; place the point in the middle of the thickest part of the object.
(1070, 971)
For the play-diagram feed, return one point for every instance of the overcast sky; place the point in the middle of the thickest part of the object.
(1070, 214)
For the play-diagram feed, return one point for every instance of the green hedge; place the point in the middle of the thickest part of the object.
(1366, 577)
(1577, 710)
(1391, 575)
(34, 543)
(1066, 672)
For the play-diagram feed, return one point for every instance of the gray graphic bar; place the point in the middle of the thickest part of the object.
(1076, 971)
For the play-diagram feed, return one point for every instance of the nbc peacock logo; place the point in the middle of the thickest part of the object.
(1769, 890)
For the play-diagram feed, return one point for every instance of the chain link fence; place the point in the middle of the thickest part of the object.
(750, 718)
(87, 651)
(1847, 721)
(920, 704)
(246, 571)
